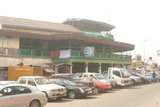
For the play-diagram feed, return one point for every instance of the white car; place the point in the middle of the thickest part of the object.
(40, 83)
(134, 79)
(8, 82)
(16, 95)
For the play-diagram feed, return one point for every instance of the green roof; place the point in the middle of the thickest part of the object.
(85, 24)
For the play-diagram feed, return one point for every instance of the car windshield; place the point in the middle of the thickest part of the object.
(74, 77)
(69, 83)
(95, 80)
(99, 76)
(125, 74)
(42, 81)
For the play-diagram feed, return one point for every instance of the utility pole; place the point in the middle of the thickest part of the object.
(144, 56)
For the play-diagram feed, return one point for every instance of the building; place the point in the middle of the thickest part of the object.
(86, 45)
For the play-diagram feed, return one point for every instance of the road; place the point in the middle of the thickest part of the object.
(134, 96)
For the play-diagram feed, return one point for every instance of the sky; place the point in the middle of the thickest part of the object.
(136, 21)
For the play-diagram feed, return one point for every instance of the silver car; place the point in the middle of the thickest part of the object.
(16, 95)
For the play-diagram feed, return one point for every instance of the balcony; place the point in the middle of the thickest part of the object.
(42, 53)
(107, 56)
(107, 36)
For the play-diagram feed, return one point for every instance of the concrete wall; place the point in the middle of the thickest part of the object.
(29, 61)
(9, 42)
(6, 61)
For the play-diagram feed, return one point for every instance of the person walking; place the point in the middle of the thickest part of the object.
(154, 76)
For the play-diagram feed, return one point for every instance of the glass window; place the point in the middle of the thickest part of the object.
(23, 81)
(7, 91)
(31, 82)
(21, 90)
(117, 73)
(42, 81)
(85, 75)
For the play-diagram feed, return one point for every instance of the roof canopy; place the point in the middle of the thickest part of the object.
(36, 25)
(89, 25)
(117, 46)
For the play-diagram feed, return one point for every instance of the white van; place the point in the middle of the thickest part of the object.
(120, 75)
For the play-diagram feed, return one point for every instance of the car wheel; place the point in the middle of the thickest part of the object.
(35, 103)
(95, 90)
(72, 94)
(133, 82)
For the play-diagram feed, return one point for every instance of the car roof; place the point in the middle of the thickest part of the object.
(8, 82)
(8, 85)
(32, 77)
(91, 73)
(62, 74)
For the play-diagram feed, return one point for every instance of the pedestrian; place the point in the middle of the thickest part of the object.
(154, 76)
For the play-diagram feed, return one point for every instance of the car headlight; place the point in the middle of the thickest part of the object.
(81, 90)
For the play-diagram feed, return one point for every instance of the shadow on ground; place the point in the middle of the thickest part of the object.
(63, 100)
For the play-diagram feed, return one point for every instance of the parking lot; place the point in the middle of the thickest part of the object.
(147, 95)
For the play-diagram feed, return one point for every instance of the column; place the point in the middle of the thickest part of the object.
(56, 70)
(71, 69)
(86, 68)
(100, 68)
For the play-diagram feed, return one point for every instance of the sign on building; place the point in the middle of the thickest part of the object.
(88, 51)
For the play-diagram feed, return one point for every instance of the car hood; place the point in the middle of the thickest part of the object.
(48, 86)
(104, 80)
(134, 77)
(74, 86)
(101, 83)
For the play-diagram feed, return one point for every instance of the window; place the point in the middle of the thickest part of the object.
(85, 75)
(23, 81)
(7, 91)
(21, 90)
(31, 82)
(117, 73)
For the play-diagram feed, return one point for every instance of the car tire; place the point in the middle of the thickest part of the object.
(72, 94)
(133, 82)
(95, 90)
(35, 103)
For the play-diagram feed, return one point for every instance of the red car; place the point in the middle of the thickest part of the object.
(101, 86)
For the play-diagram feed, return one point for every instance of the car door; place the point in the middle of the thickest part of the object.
(7, 99)
(32, 83)
(22, 96)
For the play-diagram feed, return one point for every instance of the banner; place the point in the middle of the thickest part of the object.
(88, 51)
(65, 53)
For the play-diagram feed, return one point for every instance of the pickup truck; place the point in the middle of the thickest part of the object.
(40, 83)
(120, 75)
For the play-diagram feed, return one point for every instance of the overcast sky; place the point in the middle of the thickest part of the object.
(135, 20)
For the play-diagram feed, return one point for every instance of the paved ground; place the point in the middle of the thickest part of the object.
(135, 96)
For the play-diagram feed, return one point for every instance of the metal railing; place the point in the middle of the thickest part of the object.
(74, 54)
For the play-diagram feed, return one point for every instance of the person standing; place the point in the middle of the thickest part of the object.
(154, 76)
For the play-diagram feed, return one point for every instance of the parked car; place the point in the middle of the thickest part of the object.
(101, 86)
(100, 78)
(149, 76)
(75, 78)
(158, 75)
(73, 89)
(8, 82)
(16, 95)
(144, 80)
(51, 90)
(134, 80)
